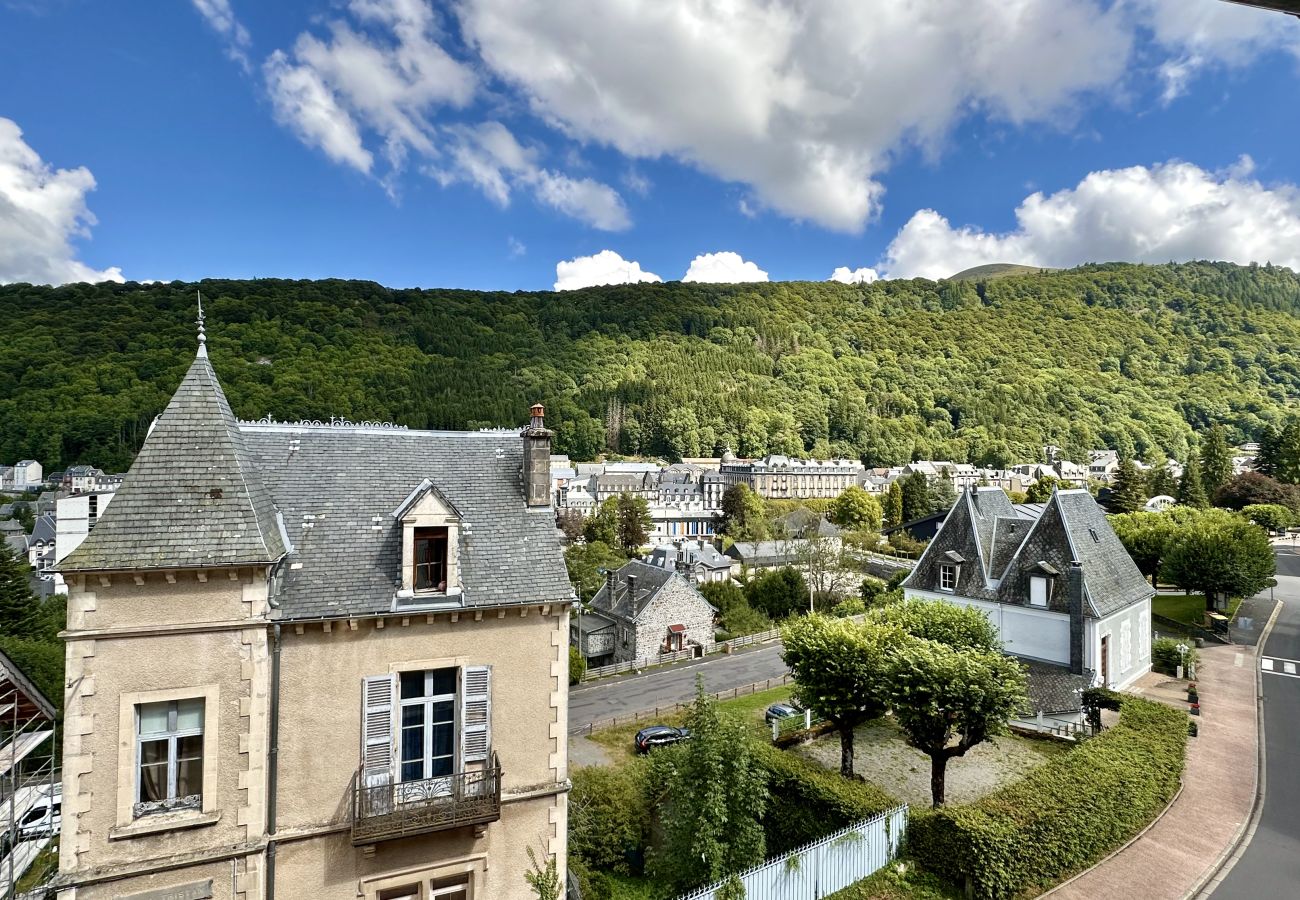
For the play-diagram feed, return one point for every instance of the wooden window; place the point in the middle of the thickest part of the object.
(947, 578)
(426, 724)
(169, 756)
(431, 559)
(1039, 590)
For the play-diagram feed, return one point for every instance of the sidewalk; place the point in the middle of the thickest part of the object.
(1181, 849)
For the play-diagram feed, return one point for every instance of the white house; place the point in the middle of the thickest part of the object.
(27, 475)
(1055, 581)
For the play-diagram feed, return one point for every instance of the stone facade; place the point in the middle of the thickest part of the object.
(677, 603)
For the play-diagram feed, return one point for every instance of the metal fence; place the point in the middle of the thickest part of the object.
(824, 866)
(659, 711)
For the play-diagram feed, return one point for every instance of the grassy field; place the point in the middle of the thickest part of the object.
(1189, 608)
(618, 740)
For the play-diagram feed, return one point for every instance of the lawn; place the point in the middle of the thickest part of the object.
(882, 756)
(1189, 608)
(750, 708)
(901, 880)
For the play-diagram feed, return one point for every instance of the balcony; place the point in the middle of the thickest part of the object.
(387, 811)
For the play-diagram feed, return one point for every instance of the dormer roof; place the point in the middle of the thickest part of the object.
(191, 498)
(425, 488)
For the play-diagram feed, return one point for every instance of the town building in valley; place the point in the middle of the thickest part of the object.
(316, 661)
(1054, 579)
(641, 611)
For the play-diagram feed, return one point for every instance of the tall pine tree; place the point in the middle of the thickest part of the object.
(894, 504)
(1288, 453)
(1270, 444)
(1128, 492)
(1216, 461)
(18, 605)
(1190, 490)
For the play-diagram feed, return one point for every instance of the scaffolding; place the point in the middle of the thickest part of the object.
(30, 791)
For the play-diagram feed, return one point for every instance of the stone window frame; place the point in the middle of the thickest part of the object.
(127, 770)
(472, 868)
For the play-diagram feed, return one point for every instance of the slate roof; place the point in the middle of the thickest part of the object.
(1004, 545)
(43, 528)
(1054, 689)
(346, 482)
(18, 544)
(764, 553)
(650, 580)
(190, 499)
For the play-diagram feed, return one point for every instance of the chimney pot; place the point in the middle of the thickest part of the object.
(538, 414)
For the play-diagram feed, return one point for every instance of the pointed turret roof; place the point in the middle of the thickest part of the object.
(191, 499)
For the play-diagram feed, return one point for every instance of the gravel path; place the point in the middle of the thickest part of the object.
(881, 756)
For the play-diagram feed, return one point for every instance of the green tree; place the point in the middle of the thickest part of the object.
(734, 612)
(838, 668)
(1145, 535)
(577, 665)
(856, 509)
(19, 607)
(601, 526)
(744, 517)
(1252, 488)
(580, 436)
(609, 815)
(893, 506)
(948, 700)
(1190, 490)
(960, 627)
(778, 593)
(634, 522)
(1041, 490)
(916, 496)
(1215, 461)
(1161, 482)
(1269, 516)
(941, 495)
(1219, 554)
(712, 794)
(1270, 446)
(587, 565)
(1128, 492)
(1286, 466)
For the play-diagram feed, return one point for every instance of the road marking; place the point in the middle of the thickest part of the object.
(1238, 659)
(1282, 659)
(1288, 668)
(1266, 664)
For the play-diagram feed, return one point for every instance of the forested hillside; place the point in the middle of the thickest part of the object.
(1134, 357)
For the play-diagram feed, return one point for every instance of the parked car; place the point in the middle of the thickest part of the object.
(659, 736)
(778, 711)
(41, 820)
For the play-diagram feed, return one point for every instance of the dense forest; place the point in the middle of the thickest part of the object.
(1137, 358)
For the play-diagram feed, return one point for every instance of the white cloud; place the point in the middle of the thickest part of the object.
(516, 247)
(41, 211)
(605, 267)
(1170, 211)
(1205, 33)
(222, 20)
(723, 268)
(383, 73)
(799, 101)
(845, 275)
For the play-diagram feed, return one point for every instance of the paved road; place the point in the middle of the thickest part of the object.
(620, 696)
(1270, 867)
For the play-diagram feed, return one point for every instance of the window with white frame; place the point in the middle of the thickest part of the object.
(438, 889)
(169, 756)
(425, 725)
(947, 578)
(1039, 590)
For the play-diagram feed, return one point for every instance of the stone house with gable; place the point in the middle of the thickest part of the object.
(316, 661)
(1054, 579)
(641, 611)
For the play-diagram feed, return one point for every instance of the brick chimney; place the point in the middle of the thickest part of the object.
(537, 459)
(1075, 597)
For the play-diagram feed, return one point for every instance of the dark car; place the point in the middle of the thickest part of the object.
(659, 736)
(778, 711)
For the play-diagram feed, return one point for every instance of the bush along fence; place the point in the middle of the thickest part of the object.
(824, 866)
(1062, 817)
(658, 711)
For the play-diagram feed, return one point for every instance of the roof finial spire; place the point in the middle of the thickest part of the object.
(203, 335)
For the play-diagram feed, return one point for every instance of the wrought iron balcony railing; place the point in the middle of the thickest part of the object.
(386, 811)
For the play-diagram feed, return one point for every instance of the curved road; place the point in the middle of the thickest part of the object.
(1270, 866)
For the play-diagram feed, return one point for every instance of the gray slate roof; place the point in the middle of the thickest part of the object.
(18, 544)
(1003, 546)
(43, 529)
(765, 553)
(1054, 689)
(191, 499)
(650, 580)
(347, 482)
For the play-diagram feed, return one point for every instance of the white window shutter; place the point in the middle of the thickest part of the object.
(476, 713)
(377, 753)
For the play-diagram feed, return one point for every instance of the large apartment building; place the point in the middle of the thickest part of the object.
(785, 478)
(316, 661)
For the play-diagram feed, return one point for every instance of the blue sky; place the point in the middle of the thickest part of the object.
(479, 143)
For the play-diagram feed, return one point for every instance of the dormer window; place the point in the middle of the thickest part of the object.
(430, 560)
(947, 578)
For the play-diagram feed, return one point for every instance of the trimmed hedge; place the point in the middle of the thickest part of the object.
(1062, 817)
(807, 801)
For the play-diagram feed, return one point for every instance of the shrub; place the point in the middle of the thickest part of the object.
(805, 801)
(1061, 817)
(609, 816)
(577, 665)
(1166, 658)
(853, 606)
